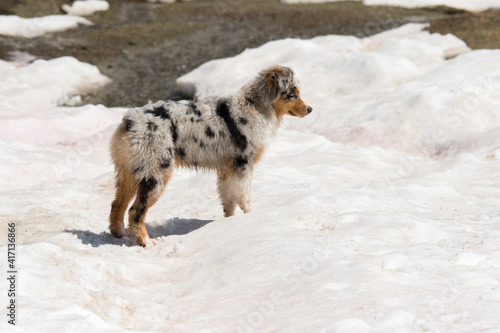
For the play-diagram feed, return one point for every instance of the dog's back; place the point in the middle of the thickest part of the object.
(194, 134)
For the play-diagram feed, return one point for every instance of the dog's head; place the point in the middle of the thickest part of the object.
(280, 89)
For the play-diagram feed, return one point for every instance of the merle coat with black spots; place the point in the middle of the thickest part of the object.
(225, 134)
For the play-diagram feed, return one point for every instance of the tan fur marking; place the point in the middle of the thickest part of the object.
(258, 156)
(283, 107)
(276, 69)
(126, 185)
(226, 169)
(120, 148)
(280, 107)
(224, 172)
(179, 162)
(271, 83)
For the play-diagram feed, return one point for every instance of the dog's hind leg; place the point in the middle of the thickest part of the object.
(148, 192)
(126, 187)
(126, 184)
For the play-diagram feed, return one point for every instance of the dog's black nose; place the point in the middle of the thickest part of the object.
(309, 109)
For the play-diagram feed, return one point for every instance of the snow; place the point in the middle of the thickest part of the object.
(357, 228)
(34, 124)
(47, 83)
(170, 1)
(414, 49)
(391, 71)
(85, 7)
(164, 1)
(473, 6)
(13, 25)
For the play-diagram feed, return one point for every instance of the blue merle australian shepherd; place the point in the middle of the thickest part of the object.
(225, 134)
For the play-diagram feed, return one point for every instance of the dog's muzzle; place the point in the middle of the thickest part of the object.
(309, 109)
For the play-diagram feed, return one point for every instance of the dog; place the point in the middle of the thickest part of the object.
(225, 134)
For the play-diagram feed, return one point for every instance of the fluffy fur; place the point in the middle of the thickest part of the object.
(225, 134)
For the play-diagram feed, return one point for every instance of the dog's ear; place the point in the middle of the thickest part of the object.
(273, 86)
(275, 81)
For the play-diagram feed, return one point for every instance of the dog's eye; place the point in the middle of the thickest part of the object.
(291, 95)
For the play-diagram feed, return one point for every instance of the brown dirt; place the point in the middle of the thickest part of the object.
(478, 30)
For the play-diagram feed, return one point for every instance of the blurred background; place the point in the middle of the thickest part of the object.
(144, 46)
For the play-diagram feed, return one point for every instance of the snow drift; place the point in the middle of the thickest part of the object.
(13, 25)
(86, 7)
(378, 90)
(473, 6)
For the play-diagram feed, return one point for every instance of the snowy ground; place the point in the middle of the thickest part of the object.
(470, 5)
(85, 7)
(13, 25)
(377, 213)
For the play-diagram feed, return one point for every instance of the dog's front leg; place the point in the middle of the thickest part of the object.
(245, 199)
(235, 189)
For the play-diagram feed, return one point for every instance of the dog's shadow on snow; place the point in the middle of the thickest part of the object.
(175, 226)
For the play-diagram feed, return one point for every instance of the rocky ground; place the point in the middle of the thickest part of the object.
(145, 46)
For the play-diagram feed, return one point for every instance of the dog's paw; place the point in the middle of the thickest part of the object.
(146, 242)
(118, 232)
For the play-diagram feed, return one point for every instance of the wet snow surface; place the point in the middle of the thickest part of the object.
(13, 25)
(378, 212)
(470, 5)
